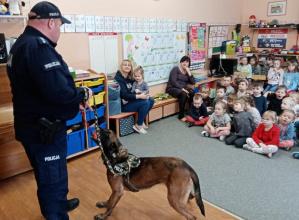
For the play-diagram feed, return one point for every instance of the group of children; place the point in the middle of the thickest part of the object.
(249, 117)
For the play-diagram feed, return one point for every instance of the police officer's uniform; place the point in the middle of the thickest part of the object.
(42, 86)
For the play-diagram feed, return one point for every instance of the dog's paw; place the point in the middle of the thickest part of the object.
(102, 204)
(99, 217)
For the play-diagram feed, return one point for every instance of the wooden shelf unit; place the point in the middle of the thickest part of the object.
(13, 159)
(93, 75)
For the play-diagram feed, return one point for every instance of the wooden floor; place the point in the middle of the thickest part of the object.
(87, 181)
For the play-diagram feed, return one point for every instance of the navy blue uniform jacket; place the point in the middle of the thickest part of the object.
(125, 87)
(41, 83)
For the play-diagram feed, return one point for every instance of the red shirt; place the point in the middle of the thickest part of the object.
(270, 137)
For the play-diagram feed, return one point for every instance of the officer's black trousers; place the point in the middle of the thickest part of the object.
(49, 165)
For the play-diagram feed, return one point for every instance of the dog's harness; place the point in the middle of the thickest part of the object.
(123, 168)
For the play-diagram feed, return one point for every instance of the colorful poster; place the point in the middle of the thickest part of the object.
(272, 38)
(157, 53)
(197, 45)
(217, 35)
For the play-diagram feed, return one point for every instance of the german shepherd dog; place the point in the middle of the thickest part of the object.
(175, 173)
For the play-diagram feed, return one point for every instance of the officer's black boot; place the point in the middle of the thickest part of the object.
(72, 204)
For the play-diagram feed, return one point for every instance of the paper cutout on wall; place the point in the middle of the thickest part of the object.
(157, 53)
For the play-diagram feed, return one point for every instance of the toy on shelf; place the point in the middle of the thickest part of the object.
(262, 24)
(252, 22)
(273, 23)
(240, 50)
(293, 50)
(3, 9)
(15, 6)
(275, 51)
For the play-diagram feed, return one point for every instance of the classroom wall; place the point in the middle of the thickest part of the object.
(260, 10)
(74, 46)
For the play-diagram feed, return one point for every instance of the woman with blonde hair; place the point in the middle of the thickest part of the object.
(142, 103)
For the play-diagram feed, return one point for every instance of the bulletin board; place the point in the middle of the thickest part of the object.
(157, 53)
(217, 34)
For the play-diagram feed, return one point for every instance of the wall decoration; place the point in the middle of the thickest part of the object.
(277, 8)
(197, 45)
(272, 38)
(157, 53)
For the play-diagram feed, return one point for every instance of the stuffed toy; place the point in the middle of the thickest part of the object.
(14, 6)
(3, 10)
(252, 22)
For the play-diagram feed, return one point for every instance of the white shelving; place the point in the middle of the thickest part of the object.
(13, 19)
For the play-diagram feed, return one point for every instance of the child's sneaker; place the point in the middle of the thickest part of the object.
(190, 124)
(296, 155)
(205, 134)
(222, 138)
(269, 155)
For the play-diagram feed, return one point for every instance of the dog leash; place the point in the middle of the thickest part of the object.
(122, 168)
(98, 139)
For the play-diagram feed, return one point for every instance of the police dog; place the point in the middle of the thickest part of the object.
(175, 173)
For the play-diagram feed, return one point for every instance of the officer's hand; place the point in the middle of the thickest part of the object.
(87, 105)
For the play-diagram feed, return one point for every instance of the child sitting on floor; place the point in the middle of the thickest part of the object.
(219, 123)
(265, 139)
(220, 90)
(269, 64)
(205, 93)
(259, 100)
(295, 96)
(275, 99)
(198, 112)
(250, 107)
(288, 103)
(230, 102)
(256, 68)
(242, 86)
(243, 124)
(227, 80)
(249, 91)
(291, 77)
(286, 128)
(275, 76)
(245, 67)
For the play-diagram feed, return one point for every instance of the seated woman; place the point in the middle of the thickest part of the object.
(132, 102)
(177, 85)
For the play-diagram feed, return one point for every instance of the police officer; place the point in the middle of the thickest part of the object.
(44, 97)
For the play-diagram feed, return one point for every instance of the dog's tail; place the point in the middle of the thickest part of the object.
(198, 198)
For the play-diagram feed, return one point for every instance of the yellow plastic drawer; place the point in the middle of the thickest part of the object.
(78, 84)
(99, 98)
(94, 83)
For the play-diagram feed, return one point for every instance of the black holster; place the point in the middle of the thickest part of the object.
(48, 130)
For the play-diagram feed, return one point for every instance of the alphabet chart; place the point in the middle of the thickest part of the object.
(157, 53)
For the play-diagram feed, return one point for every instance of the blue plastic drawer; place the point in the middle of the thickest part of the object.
(76, 120)
(100, 111)
(75, 142)
(90, 142)
(98, 88)
(103, 124)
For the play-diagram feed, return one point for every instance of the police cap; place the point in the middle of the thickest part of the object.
(47, 10)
